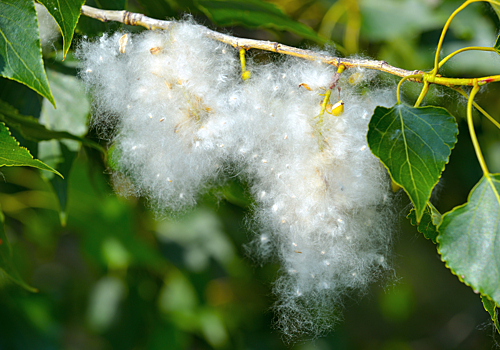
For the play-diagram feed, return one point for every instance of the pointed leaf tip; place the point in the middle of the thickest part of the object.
(21, 59)
(414, 144)
(12, 154)
(66, 14)
(491, 307)
(429, 223)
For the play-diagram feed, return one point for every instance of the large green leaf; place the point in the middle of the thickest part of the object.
(11, 154)
(414, 144)
(254, 14)
(469, 238)
(31, 129)
(6, 261)
(66, 13)
(491, 307)
(429, 222)
(20, 51)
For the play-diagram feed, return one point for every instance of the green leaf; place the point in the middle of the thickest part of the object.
(11, 154)
(73, 107)
(491, 307)
(60, 185)
(20, 51)
(429, 222)
(6, 260)
(254, 14)
(469, 238)
(71, 115)
(31, 129)
(66, 14)
(113, 156)
(414, 144)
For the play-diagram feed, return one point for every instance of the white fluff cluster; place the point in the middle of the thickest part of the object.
(182, 117)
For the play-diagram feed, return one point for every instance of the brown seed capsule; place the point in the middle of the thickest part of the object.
(305, 86)
(123, 43)
(155, 50)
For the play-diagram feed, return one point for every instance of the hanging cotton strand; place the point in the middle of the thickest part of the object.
(181, 118)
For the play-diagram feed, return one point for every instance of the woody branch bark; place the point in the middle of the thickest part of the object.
(137, 19)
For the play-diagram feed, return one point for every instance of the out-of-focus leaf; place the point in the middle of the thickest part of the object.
(469, 238)
(157, 8)
(497, 45)
(91, 27)
(11, 154)
(491, 307)
(497, 9)
(254, 14)
(20, 51)
(234, 193)
(60, 185)
(201, 235)
(113, 158)
(25, 100)
(73, 107)
(104, 302)
(66, 13)
(414, 144)
(390, 19)
(71, 116)
(178, 297)
(429, 222)
(31, 129)
(6, 261)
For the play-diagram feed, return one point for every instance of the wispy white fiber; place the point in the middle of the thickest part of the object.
(180, 119)
(49, 31)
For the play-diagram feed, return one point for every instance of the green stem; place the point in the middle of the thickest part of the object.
(401, 82)
(478, 107)
(243, 60)
(443, 33)
(245, 74)
(460, 81)
(472, 132)
(475, 48)
(424, 91)
(323, 107)
(445, 29)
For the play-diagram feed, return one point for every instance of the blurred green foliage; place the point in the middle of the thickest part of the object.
(116, 277)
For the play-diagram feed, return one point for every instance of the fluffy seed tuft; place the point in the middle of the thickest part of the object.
(180, 117)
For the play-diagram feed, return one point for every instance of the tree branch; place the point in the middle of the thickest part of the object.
(137, 19)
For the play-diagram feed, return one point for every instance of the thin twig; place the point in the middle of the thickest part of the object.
(137, 19)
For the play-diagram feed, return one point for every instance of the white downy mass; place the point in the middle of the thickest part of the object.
(181, 119)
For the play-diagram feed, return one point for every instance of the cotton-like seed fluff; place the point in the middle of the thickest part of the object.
(181, 118)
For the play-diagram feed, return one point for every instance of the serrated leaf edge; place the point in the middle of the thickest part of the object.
(27, 150)
(479, 290)
(419, 217)
(47, 94)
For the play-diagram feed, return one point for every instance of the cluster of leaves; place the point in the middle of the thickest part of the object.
(414, 143)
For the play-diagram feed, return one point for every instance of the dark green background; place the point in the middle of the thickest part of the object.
(110, 280)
